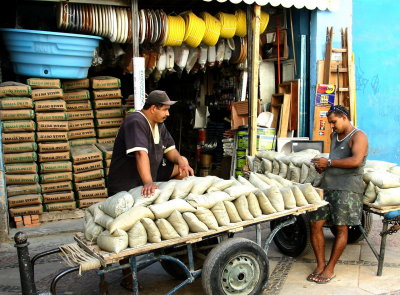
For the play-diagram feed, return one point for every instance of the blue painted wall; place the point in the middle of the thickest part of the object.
(376, 43)
(320, 20)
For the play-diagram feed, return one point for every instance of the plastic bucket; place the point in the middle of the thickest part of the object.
(243, 139)
(50, 54)
(205, 160)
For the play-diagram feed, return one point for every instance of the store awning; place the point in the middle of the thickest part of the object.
(331, 5)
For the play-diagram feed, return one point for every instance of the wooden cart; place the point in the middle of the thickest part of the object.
(244, 262)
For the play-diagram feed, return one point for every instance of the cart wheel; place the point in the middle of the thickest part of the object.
(355, 234)
(236, 266)
(293, 240)
(175, 270)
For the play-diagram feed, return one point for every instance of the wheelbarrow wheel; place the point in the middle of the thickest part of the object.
(175, 270)
(355, 234)
(236, 266)
(293, 240)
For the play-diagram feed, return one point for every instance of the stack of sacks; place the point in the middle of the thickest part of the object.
(19, 147)
(89, 180)
(107, 104)
(53, 145)
(296, 166)
(107, 150)
(181, 207)
(80, 113)
(382, 183)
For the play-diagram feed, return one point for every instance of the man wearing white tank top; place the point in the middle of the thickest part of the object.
(343, 189)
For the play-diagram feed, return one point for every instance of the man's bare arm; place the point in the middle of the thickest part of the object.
(143, 167)
(175, 157)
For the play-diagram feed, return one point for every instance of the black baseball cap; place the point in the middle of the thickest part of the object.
(159, 97)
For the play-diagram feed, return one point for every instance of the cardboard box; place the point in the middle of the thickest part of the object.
(240, 113)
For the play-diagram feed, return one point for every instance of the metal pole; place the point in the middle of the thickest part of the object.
(382, 248)
(28, 286)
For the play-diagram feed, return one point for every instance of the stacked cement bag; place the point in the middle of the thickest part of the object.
(80, 113)
(53, 146)
(107, 104)
(382, 183)
(191, 205)
(19, 148)
(107, 150)
(88, 170)
(296, 167)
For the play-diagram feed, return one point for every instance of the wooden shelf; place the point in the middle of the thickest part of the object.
(125, 3)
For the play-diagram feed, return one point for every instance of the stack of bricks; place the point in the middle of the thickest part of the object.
(53, 145)
(107, 150)
(26, 221)
(80, 113)
(107, 104)
(89, 179)
(19, 148)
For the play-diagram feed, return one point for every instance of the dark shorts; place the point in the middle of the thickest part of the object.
(165, 170)
(344, 208)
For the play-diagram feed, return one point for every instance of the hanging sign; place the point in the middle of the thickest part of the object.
(325, 95)
(139, 86)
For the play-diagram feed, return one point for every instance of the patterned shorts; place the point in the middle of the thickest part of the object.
(344, 208)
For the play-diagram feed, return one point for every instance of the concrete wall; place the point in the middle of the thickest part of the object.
(376, 43)
(320, 20)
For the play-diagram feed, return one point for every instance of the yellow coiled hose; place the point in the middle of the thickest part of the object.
(194, 29)
(264, 19)
(213, 29)
(228, 24)
(176, 31)
(241, 29)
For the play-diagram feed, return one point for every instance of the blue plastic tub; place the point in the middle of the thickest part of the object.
(50, 54)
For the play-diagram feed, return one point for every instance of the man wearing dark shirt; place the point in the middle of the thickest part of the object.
(144, 151)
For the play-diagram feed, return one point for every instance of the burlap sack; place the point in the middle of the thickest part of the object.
(46, 136)
(71, 205)
(153, 233)
(137, 235)
(16, 103)
(82, 141)
(232, 212)
(75, 84)
(92, 230)
(242, 207)
(106, 94)
(21, 178)
(21, 168)
(80, 124)
(195, 225)
(265, 204)
(166, 190)
(220, 214)
(50, 105)
(298, 195)
(93, 194)
(207, 217)
(105, 82)
(24, 200)
(208, 200)
(107, 103)
(55, 177)
(88, 202)
(51, 147)
(117, 204)
(370, 193)
(18, 126)
(43, 83)
(257, 182)
(52, 116)
(89, 175)
(106, 149)
(167, 231)
(18, 137)
(52, 126)
(109, 122)
(108, 113)
(254, 206)
(56, 187)
(164, 210)
(182, 188)
(26, 210)
(60, 166)
(84, 154)
(20, 157)
(43, 94)
(106, 132)
(82, 133)
(288, 197)
(26, 189)
(90, 184)
(12, 88)
(113, 242)
(80, 105)
(53, 157)
(108, 140)
(22, 147)
(310, 193)
(78, 168)
(80, 115)
(126, 220)
(236, 191)
(58, 197)
(178, 222)
(82, 94)
(220, 185)
(275, 197)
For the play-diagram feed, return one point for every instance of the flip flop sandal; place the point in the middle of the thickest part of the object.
(312, 276)
(325, 280)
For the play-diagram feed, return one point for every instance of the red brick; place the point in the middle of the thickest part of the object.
(35, 217)
(18, 218)
(27, 219)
